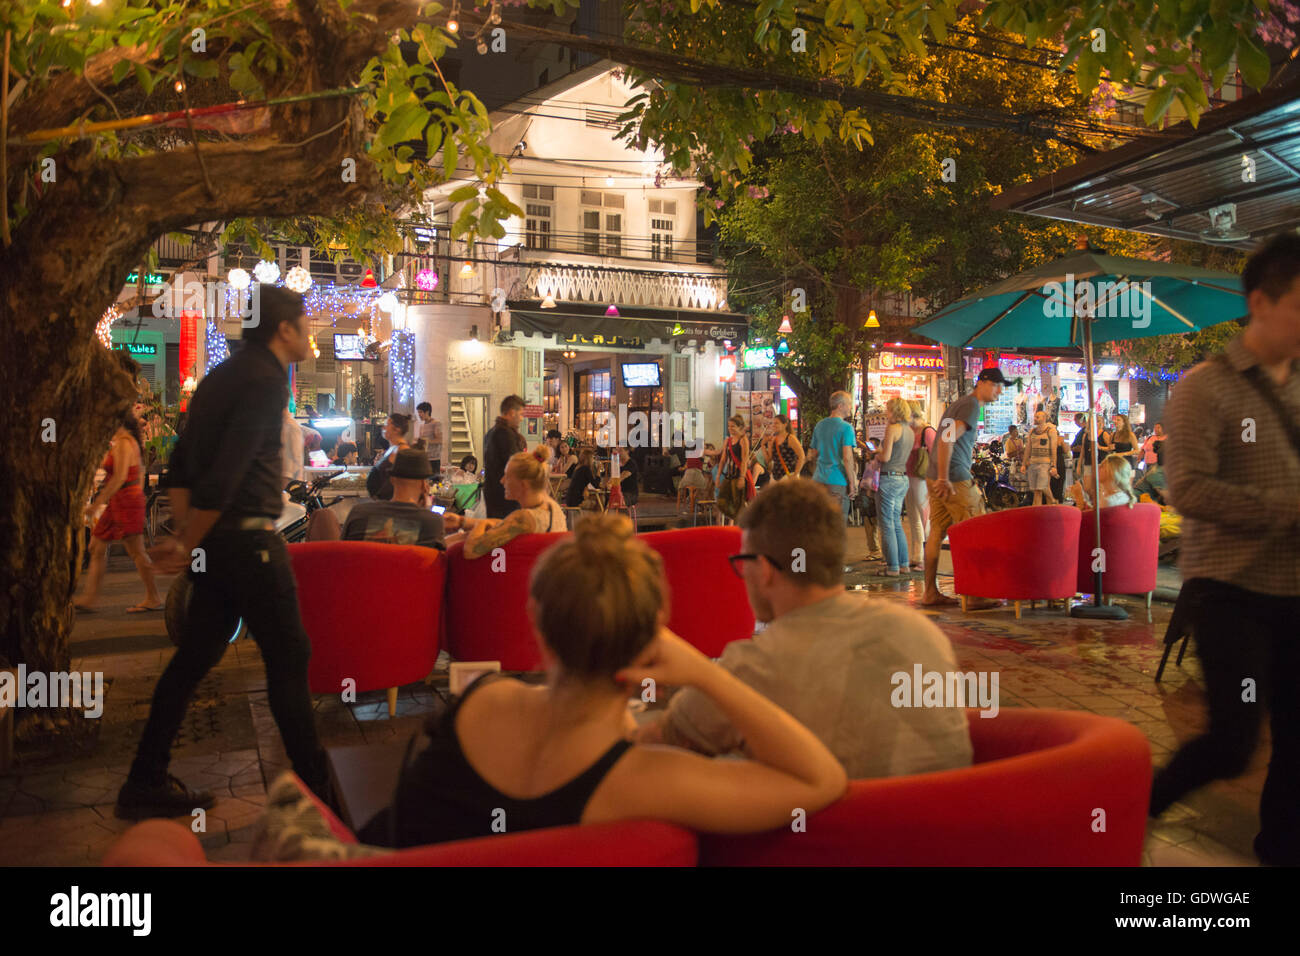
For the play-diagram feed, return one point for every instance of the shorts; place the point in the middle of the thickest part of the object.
(840, 495)
(1040, 476)
(964, 502)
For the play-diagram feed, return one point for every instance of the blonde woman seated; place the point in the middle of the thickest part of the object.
(562, 753)
(1116, 476)
(538, 513)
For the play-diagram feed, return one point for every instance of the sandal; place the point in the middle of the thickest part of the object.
(142, 608)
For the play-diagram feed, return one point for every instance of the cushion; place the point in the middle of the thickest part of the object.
(297, 827)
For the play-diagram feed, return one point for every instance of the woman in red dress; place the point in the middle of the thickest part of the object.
(117, 514)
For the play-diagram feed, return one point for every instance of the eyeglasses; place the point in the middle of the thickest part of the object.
(735, 560)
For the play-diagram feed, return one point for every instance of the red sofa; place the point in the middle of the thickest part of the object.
(1130, 539)
(485, 619)
(627, 843)
(1021, 555)
(1030, 799)
(709, 608)
(347, 640)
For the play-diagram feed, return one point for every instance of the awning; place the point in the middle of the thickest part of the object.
(1232, 181)
(627, 331)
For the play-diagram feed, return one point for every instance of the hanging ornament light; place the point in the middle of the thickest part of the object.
(786, 328)
(548, 302)
(426, 280)
(467, 270)
(872, 322)
(388, 302)
(239, 279)
(782, 346)
(369, 281)
(613, 311)
(266, 272)
(298, 279)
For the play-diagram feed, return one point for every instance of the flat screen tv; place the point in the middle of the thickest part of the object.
(348, 347)
(641, 374)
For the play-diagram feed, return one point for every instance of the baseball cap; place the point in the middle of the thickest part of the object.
(993, 375)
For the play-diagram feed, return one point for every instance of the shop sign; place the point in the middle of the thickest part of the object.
(908, 362)
(459, 370)
(727, 368)
(595, 338)
(893, 381)
(135, 348)
(533, 411)
(757, 358)
(1012, 368)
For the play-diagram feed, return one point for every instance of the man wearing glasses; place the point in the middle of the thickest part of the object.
(828, 656)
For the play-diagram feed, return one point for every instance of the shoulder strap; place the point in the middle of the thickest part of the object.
(1255, 376)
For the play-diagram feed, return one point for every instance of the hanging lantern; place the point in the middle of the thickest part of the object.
(388, 302)
(872, 322)
(548, 302)
(782, 346)
(298, 279)
(369, 281)
(612, 310)
(786, 328)
(426, 280)
(266, 272)
(239, 279)
(467, 270)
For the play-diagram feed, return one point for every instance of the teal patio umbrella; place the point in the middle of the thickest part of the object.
(1086, 297)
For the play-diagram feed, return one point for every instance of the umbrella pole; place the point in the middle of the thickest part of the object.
(1095, 610)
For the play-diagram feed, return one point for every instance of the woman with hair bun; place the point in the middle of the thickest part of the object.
(561, 754)
(538, 513)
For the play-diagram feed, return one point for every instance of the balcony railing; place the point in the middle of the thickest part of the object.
(603, 285)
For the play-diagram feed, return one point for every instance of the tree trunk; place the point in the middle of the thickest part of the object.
(63, 391)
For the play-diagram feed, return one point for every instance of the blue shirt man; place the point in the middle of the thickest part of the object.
(833, 440)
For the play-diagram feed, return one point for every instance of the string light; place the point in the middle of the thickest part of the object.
(104, 328)
(401, 363)
(298, 280)
(239, 279)
(214, 344)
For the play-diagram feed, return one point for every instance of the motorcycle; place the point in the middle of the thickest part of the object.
(302, 501)
(997, 492)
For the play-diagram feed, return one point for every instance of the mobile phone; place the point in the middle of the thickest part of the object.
(437, 509)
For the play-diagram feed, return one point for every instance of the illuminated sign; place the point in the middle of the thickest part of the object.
(136, 348)
(756, 358)
(727, 368)
(621, 341)
(907, 362)
(152, 278)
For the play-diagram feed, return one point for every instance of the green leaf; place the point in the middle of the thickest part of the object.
(203, 69)
(463, 193)
(450, 158)
(120, 70)
(1158, 104)
(1088, 71)
(1253, 62)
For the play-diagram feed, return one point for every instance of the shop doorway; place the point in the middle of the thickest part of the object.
(467, 427)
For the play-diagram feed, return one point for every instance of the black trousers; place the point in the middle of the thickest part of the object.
(1245, 639)
(247, 575)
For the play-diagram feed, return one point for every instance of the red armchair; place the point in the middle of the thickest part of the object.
(346, 641)
(486, 620)
(1048, 788)
(625, 843)
(1130, 540)
(709, 608)
(1022, 554)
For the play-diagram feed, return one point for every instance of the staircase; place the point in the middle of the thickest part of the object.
(462, 443)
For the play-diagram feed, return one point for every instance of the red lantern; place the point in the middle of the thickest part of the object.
(369, 281)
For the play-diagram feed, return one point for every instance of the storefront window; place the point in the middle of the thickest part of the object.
(551, 401)
(592, 402)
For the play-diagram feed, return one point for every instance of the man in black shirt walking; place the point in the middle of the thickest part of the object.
(502, 441)
(225, 491)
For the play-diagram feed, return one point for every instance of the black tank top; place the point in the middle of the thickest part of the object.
(441, 797)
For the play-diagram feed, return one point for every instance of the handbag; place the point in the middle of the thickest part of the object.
(922, 466)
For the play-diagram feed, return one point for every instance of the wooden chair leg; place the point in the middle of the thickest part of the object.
(1017, 610)
(963, 604)
(392, 702)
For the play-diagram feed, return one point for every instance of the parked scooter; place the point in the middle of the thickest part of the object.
(998, 493)
(293, 525)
